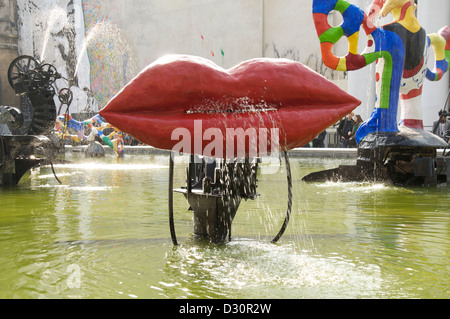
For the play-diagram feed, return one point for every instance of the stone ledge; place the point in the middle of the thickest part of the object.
(351, 153)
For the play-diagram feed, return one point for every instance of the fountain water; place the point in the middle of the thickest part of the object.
(53, 32)
(115, 59)
(108, 213)
(56, 22)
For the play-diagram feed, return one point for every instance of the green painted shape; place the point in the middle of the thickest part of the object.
(332, 35)
(386, 76)
(341, 6)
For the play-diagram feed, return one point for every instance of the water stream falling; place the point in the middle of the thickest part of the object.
(56, 21)
(53, 32)
(115, 59)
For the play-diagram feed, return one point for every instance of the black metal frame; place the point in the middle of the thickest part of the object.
(214, 192)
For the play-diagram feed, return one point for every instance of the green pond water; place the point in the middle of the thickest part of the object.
(103, 233)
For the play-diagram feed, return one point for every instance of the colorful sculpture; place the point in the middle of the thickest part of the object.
(400, 49)
(96, 125)
(191, 97)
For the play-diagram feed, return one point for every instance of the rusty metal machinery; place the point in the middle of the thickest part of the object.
(35, 80)
(215, 189)
(28, 142)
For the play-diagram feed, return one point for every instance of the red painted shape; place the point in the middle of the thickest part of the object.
(413, 123)
(268, 94)
(404, 10)
(412, 94)
(445, 32)
(321, 23)
(355, 61)
(329, 59)
(410, 73)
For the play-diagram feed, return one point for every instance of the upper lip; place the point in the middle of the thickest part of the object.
(184, 83)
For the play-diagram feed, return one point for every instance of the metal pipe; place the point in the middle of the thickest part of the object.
(289, 208)
(171, 220)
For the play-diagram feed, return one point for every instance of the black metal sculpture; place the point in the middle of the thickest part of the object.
(214, 190)
(408, 157)
(29, 143)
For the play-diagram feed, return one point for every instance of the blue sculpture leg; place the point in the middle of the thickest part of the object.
(384, 119)
(381, 120)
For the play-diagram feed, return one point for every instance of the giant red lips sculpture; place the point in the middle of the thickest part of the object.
(189, 104)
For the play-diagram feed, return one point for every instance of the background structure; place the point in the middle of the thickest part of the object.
(101, 44)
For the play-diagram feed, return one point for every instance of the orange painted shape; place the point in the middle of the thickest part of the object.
(329, 59)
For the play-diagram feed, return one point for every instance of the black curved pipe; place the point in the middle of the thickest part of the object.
(288, 211)
(171, 220)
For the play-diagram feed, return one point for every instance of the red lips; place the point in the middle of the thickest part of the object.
(181, 92)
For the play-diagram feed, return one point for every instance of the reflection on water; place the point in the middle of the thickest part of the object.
(103, 233)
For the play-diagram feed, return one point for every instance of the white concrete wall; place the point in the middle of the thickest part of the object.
(226, 32)
(289, 30)
(241, 29)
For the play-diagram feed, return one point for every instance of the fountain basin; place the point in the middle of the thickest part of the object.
(355, 240)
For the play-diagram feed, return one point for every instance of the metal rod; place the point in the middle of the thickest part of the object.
(288, 211)
(171, 220)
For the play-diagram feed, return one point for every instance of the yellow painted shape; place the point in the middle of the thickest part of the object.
(410, 22)
(353, 43)
(342, 65)
(438, 42)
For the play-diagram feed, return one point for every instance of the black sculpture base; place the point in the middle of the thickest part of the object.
(213, 214)
(18, 154)
(407, 157)
(214, 191)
